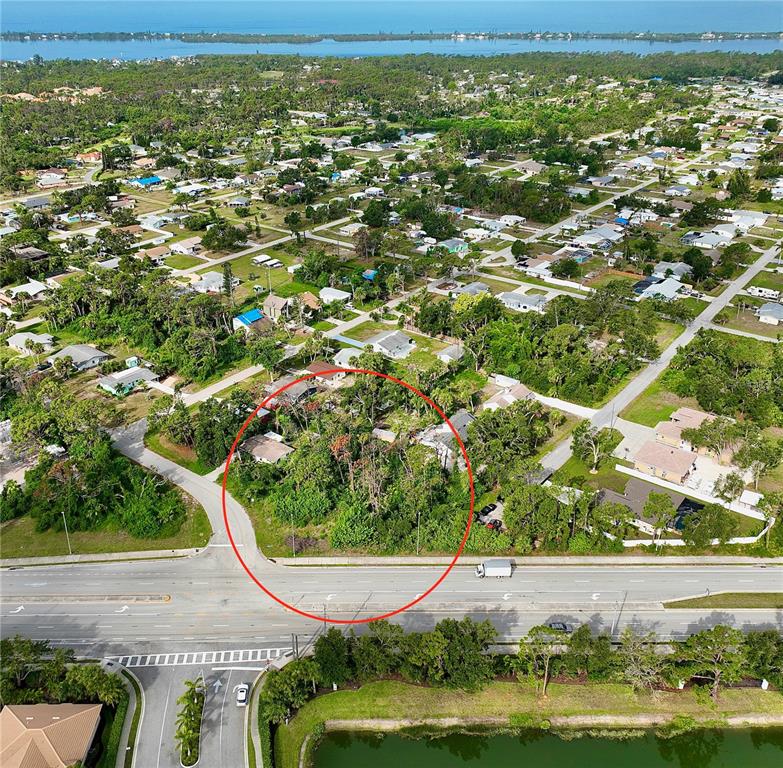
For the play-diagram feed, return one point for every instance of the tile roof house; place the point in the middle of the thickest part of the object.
(664, 461)
(83, 356)
(47, 735)
(394, 344)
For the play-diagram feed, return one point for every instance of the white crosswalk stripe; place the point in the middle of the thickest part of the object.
(197, 658)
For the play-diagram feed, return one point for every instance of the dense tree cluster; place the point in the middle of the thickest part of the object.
(731, 376)
(32, 672)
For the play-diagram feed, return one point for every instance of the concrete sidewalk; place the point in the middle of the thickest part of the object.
(107, 557)
(525, 561)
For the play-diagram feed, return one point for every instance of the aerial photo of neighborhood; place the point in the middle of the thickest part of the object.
(370, 397)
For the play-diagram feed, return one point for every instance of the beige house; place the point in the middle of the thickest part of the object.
(267, 449)
(47, 735)
(274, 307)
(333, 379)
(507, 397)
(665, 461)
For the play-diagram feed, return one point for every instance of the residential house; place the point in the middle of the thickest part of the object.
(441, 438)
(212, 282)
(47, 735)
(326, 374)
(274, 307)
(507, 396)
(394, 344)
(451, 353)
(677, 190)
(454, 245)
(666, 290)
(124, 382)
(295, 391)
(22, 341)
(634, 498)
(187, 247)
(156, 254)
(252, 320)
(665, 461)
(770, 313)
(346, 358)
(83, 356)
(330, 295)
(519, 302)
(268, 448)
(675, 269)
(472, 289)
(34, 290)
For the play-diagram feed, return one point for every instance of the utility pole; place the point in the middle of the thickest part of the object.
(67, 537)
(418, 526)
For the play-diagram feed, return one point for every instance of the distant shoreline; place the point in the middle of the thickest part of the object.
(230, 37)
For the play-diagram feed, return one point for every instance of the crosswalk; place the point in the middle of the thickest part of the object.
(198, 658)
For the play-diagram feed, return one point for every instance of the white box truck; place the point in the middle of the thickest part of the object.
(499, 569)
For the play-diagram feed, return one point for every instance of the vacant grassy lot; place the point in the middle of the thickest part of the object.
(655, 404)
(179, 454)
(732, 600)
(393, 700)
(18, 538)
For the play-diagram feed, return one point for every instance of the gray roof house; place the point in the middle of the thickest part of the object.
(676, 269)
(441, 439)
(770, 313)
(20, 340)
(83, 356)
(451, 353)
(395, 344)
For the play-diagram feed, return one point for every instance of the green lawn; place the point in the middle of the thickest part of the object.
(179, 454)
(772, 600)
(606, 477)
(18, 538)
(182, 261)
(655, 404)
(323, 325)
(395, 700)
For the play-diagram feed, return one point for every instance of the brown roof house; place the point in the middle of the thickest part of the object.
(333, 379)
(47, 735)
(665, 461)
(267, 449)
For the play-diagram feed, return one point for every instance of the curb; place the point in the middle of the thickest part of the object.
(108, 557)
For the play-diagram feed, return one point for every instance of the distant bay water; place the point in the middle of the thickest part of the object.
(324, 17)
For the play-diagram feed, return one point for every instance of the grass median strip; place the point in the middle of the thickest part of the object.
(731, 600)
(395, 700)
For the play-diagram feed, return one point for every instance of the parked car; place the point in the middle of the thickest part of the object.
(486, 510)
(495, 525)
(242, 691)
(561, 626)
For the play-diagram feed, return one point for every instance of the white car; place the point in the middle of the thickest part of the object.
(242, 691)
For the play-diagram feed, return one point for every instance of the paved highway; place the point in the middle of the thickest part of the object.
(207, 602)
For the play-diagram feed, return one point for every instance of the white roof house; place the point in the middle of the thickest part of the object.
(328, 295)
(519, 302)
(19, 341)
(394, 344)
(667, 290)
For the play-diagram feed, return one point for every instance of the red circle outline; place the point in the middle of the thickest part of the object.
(457, 555)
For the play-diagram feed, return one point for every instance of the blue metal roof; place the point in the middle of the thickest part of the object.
(249, 317)
(148, 180)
